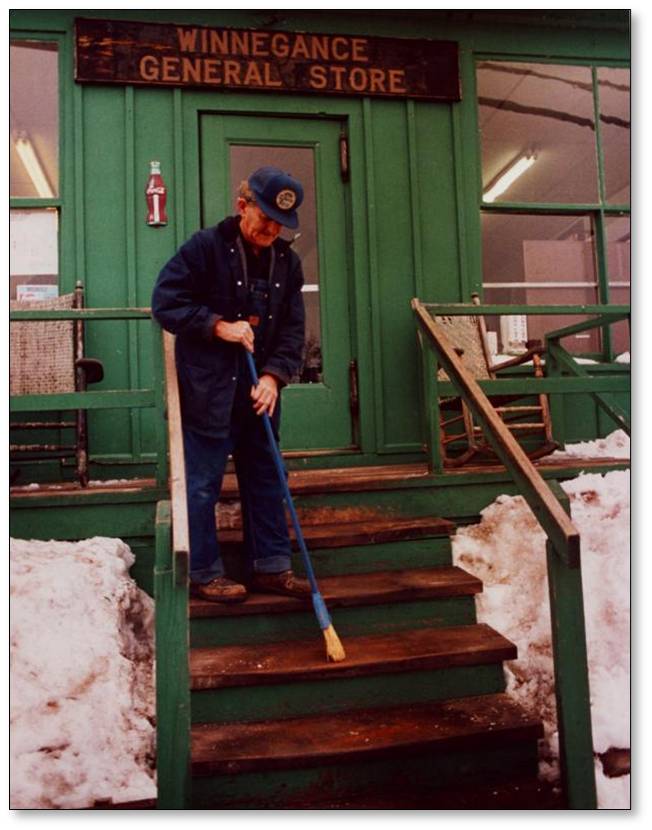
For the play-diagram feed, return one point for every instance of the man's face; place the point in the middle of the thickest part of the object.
(258, 230)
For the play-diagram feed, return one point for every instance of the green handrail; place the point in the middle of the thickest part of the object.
(564, 571)
(484, 309)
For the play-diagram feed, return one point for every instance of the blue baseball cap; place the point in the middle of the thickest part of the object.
(278, 195)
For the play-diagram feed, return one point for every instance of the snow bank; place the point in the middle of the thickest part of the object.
(507, 551)
(615, 445)
(82, 699)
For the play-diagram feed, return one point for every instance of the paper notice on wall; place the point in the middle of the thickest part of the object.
(36, 292)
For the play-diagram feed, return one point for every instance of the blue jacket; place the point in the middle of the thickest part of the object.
(205, 281)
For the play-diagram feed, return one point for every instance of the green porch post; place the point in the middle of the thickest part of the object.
(557, 413)
(571, 675)
(161, 411)
(429, 367)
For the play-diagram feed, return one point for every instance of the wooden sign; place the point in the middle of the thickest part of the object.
(158, 54)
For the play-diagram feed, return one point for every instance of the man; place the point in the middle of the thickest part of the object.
(233, 287)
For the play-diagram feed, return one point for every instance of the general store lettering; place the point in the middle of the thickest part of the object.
(232, 42)
(209, 71)
(333, 62)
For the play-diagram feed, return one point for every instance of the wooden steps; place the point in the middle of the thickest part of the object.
(416, 710)
(354, 590)
(476, 722)
(419, 649)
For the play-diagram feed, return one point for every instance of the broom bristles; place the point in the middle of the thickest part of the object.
(334, 648)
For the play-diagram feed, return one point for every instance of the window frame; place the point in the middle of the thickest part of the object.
(65, 276)
(597, 212)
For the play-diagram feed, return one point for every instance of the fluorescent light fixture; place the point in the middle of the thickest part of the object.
(28, 156)
(507, 179)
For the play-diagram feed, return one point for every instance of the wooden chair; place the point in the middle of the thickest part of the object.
(47, 357)
(462, 440)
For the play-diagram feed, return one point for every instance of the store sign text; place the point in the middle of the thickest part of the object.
(175, 55)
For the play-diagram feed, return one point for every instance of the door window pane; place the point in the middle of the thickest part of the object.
(614, 131)
(299, 162)
(619, 269)
(539, 260)
(33, 254)
(537, 128)
(34, 120)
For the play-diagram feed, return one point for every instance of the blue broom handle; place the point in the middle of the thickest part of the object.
(278, 462)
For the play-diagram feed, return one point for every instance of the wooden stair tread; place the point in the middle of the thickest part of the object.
(355, 590)
(465, 723)
(366, 532)
(418, 649)
(339, 479)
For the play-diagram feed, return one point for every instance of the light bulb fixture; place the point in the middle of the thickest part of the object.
(509, 176)
(30, 160)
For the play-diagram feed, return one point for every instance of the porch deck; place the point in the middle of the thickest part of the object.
(339, 479)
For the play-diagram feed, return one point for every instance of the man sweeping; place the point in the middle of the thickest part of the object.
(231, 288)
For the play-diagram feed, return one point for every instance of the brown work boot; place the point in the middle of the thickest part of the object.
(220, 589)
(284, 583)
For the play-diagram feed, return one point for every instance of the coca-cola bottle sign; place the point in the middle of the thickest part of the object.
(156, 193)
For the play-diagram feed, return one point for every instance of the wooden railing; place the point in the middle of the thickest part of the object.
(559, 361)
(551, 507)
(564, 376)
(152, 397)
(171, 597)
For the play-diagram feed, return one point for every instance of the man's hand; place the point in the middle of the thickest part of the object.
(265, 395)
(240, 332)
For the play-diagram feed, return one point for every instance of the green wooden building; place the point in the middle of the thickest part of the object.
(445, 154)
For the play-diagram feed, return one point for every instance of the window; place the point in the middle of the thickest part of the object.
(34, 169)
(555, 194)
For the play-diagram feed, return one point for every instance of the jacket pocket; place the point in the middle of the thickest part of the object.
(206, 396)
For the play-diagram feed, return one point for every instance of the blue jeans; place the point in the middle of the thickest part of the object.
(266, 538)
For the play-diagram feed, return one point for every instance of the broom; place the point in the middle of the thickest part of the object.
(334, 648)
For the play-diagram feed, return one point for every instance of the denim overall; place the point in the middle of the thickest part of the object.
(266, 539)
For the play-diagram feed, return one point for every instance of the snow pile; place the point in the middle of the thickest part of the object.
(615, 445)
(82, 699)
(507, 551)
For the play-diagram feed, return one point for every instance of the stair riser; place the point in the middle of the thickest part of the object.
(303, 788)
(287, 700)
(348, 622)
(385, 556)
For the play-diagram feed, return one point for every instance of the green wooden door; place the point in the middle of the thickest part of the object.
(316, 411)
